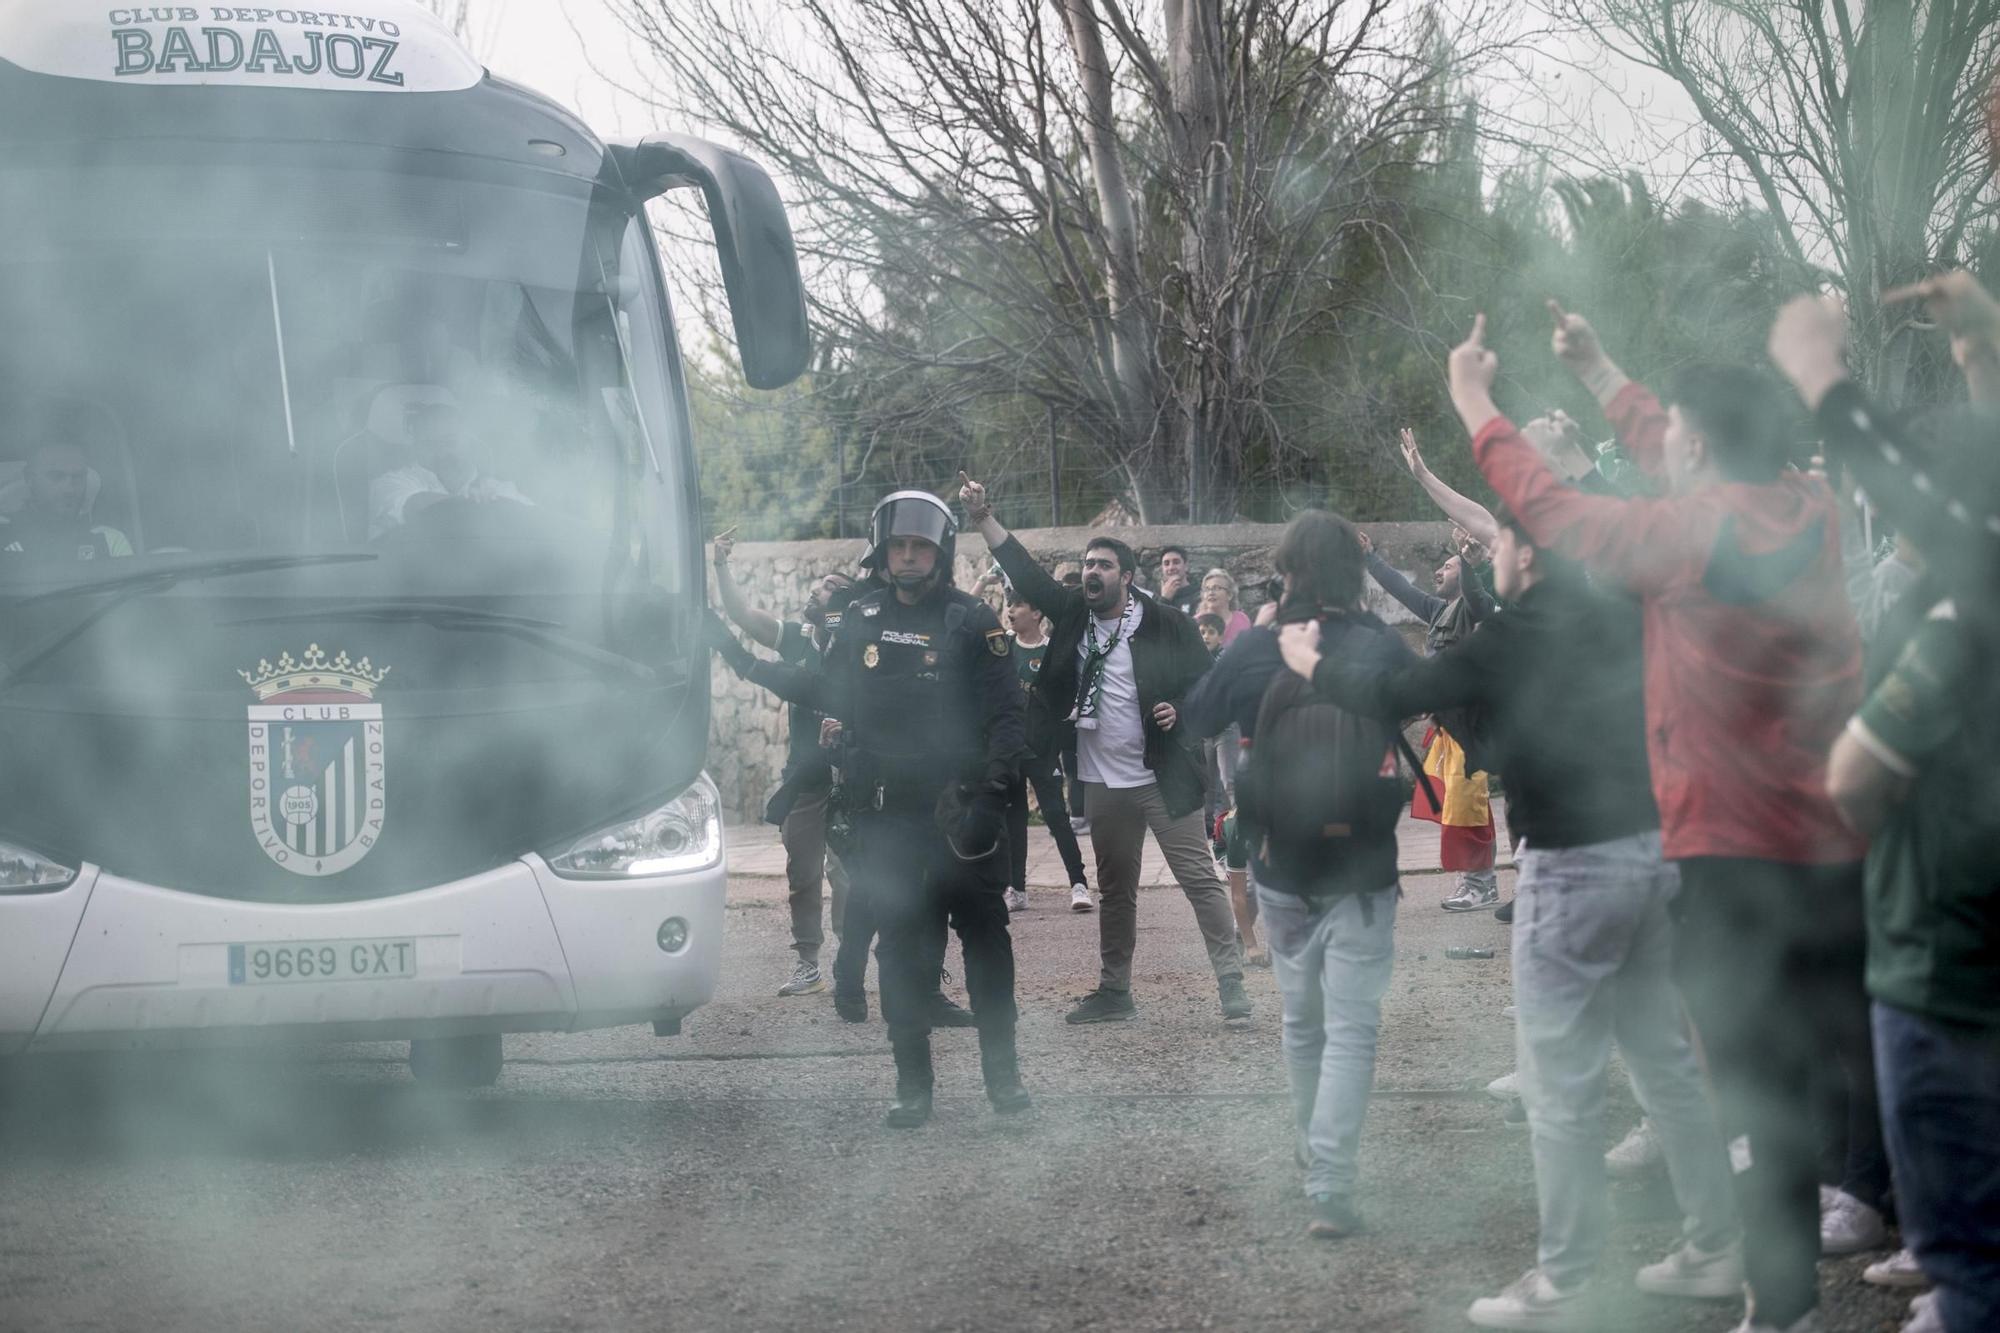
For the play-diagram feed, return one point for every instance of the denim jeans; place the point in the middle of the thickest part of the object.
(1593, 962)
(1940, 1090)
(1332, 963)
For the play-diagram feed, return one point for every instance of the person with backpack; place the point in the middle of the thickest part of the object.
(1319, 799)
(1554, 692)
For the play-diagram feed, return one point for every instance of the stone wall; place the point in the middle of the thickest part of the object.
(747, 742)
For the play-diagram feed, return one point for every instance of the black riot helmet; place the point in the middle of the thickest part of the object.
(912, 514)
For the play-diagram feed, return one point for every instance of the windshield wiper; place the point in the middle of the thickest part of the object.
(444, 615)
(126, 587)
(158, 578)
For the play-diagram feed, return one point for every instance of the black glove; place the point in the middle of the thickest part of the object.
(733, 654)
(982, 825)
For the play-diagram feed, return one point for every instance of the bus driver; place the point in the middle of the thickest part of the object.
(443, 470)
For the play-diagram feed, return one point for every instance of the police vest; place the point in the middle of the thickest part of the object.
(916, 710)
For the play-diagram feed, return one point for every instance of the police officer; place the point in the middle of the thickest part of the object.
(922, 680)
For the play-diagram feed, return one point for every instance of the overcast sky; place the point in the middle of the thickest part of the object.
(558, 46)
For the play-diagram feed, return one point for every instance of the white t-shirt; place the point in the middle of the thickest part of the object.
(390, 494)
(1114, 751)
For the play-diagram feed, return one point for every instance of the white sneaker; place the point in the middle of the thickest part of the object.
(1017, 900)
(1637, 1154)
(1898, 1270)
(1532, 1302)
(1506, 1088)
(1696, 1273)
(1924, 1316)
(1851, 1226)
(1079, 898)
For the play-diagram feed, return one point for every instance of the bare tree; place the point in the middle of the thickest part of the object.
(1119, 217)
(456, 13)
(1857, 124)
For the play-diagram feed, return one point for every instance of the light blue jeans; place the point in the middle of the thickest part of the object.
(1332, 966)
(1593, 953)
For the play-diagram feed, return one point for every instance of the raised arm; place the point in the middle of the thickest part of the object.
(1023, 571)
(1460, 509)
(761, 626)
(1641, 544)
(1424, 606)
(1958, 540)
(1631, 408)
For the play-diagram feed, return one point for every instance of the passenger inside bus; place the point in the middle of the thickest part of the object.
(46, 511)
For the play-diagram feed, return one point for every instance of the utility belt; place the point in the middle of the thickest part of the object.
(898, 797)
(864, 789)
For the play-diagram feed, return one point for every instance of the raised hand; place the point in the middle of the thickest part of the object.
(1575, 342)
(725, 545)
(1413, 457)
(972, 495)
(1956, 301)
(1472, 367)
(1367, 543)
(1300, 644)
(1809, 345)
(1971, 316)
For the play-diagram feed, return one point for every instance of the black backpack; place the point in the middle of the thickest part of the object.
(1320, 780)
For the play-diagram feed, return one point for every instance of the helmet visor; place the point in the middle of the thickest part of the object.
(912, 517)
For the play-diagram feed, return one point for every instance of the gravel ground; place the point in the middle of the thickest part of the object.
(737, 1177)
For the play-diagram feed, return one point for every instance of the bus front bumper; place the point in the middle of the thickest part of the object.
(111, 962)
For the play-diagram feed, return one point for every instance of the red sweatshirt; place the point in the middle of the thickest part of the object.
(1753, 662)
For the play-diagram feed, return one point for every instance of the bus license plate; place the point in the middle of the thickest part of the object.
(321, 960)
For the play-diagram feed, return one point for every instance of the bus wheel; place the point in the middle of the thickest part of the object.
(450, 1063)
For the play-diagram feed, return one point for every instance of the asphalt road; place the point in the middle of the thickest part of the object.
(737, 1177)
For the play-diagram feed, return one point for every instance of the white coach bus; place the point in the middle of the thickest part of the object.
(352, 683)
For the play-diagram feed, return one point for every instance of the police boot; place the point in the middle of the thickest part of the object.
(997, 1061)
(912, 1107)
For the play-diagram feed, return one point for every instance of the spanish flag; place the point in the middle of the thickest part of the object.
(1467, 817)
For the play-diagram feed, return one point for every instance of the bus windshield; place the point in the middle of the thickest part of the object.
(463, 369)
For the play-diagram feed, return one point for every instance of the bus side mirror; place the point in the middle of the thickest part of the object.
(760, 267)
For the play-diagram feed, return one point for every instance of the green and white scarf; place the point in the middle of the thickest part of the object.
(1090, 680)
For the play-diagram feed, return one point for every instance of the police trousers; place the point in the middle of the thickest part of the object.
(917, 885)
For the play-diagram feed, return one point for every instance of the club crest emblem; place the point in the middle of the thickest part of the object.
(317, 794)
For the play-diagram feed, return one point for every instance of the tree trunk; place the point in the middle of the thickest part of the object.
(1131, 369)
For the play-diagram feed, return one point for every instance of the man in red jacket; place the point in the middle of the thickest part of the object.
(1753, 665)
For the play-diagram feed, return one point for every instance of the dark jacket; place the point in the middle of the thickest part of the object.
(1233, 692)
(1558, 685)
(1168, 657)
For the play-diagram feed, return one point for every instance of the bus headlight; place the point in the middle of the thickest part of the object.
(682, 835)
(23, 871)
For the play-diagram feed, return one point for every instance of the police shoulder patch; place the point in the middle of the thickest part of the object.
(996, 642)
